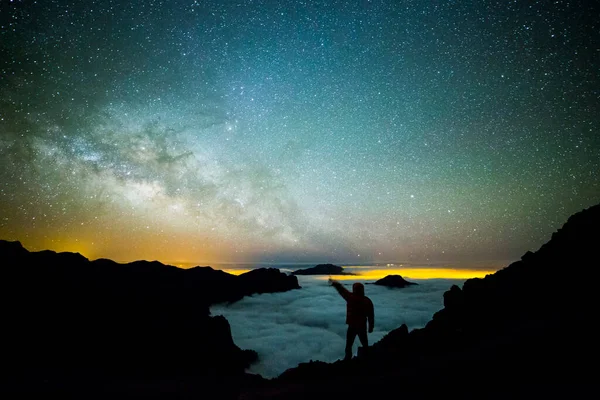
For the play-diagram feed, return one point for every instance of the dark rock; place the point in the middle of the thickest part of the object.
(453, 298)
(268, 280)
(393, 345)
(322, 269)
(395, 281)
(63, 315)
(527, 256)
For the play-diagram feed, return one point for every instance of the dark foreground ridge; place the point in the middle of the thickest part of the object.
(394, 281)
(99, 328)
(527, 331)
(322, 269)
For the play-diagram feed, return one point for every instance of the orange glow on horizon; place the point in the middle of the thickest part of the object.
(83, 247)
(235, 271)
(91, 251)
(414, 273)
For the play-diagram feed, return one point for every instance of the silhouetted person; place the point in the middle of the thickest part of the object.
(359, 311)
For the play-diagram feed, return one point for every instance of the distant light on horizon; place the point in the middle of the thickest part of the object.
(234, 271)
(414, 273)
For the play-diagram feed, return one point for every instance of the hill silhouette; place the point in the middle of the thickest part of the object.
(394, 281)
(322, 269)
(524, 331)
(68, 319)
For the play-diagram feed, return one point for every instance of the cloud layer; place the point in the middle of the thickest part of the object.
(309, 324)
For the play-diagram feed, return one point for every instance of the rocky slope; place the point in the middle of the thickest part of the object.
(68, 319)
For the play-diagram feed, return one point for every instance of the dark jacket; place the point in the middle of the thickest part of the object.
(359, 308)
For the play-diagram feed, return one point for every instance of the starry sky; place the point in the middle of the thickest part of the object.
(297, 131)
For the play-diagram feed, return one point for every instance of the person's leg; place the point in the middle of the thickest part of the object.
(364, 340)
(362, 336)
(350, 335)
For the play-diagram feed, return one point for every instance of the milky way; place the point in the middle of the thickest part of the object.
(282, 131)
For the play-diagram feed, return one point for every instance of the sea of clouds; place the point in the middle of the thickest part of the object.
(309, 323)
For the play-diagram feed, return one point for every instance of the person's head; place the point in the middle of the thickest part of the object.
(358, 288)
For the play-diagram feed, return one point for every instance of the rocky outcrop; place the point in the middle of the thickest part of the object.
(267, 280)
(63, 315)
(394, 281)
(525, 330)
(322, 269)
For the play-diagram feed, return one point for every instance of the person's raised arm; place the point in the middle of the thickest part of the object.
(341, 290)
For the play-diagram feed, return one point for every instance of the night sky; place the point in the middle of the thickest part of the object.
(282, 131)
